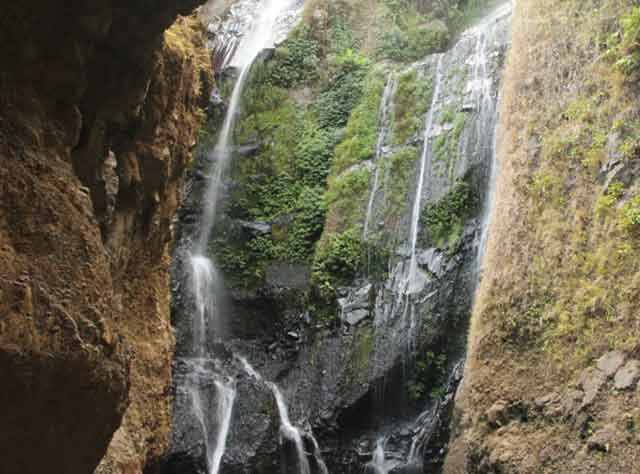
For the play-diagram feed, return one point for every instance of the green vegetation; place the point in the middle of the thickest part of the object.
(308, 127)
(359, 141)
(430, 372)
(400, 167)
(296, 61)
(407, 35)
(624, 44)
(411, 102)
(342, 92)
(446, 145)
(444, 220)
(566, 286)
(338, 259)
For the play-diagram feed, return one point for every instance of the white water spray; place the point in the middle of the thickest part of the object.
(204, 278)
(290, 432)
(414, 279)
(224, 410)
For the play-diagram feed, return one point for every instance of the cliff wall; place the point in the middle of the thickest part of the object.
(550, 378)
(98, 116)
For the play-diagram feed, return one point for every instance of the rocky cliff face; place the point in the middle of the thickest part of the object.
(361, 347)
(551, 378)
(98, 117)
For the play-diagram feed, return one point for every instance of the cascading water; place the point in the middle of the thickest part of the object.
(290, 432)
(226, 397)
(479, 141)
(378, 463)
(429, 286)
(205, 281)
(414, 279)
(287, 430)
(383, 132)
(428, 280)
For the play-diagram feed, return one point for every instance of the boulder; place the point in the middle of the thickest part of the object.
(610, 362)
(591, 380)
(627, 376)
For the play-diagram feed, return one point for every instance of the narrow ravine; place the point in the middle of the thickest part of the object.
(372, 385)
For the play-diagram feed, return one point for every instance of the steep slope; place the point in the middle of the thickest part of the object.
(97, 120)
(550, 380)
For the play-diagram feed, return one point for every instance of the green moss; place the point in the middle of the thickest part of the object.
(629, 214)
(443, 221)
(411, 101)
(446, 146)
(400, 166)
(429, 373)
(346, 196)
(624, 44)
(343, 90)
(296, 61)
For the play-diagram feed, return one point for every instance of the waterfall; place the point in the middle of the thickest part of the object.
(383, 131)
(203, 280)
(378, 463)
(477, 143)
(224, 410)
(287, 430)
(205, 283)
(413, 284)
(256, 39)
(290, 432)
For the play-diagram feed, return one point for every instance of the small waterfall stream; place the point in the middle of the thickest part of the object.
(261, 31)
(465, 83)
(414, 281)
(287, 430)
(384, 114)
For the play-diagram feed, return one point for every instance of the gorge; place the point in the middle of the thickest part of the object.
(319, 236)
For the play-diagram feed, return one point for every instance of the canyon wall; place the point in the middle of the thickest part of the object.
(551, 374)
(98, 116)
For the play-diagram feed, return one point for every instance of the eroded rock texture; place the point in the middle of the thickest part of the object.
(97, 121)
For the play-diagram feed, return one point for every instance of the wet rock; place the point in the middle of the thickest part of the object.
(627, 376)
(255, 227)
(355, 307)
(433, 259)
(354, 317)
(610, 362)
(249, 149)
(287, 275)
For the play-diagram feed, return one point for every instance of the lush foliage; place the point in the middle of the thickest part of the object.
(624, 44)
(405, 35)
(411, 101)
(343, 90)
(430, 372)
(445, 219)
(360, 135)
(296, 61)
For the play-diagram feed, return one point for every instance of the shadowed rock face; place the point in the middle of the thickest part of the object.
(97, 122)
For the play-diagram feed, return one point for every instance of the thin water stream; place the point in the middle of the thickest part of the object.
(205, 281)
